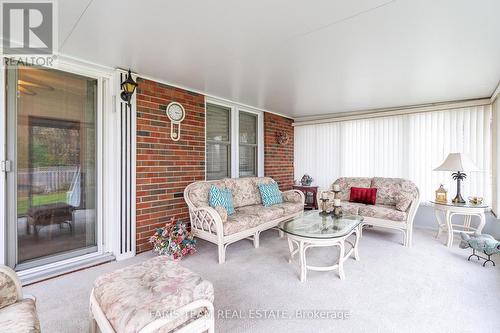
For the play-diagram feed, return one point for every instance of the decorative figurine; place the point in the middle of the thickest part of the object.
(475, 200)
(306, 180)
(441, 194)
(484, 243)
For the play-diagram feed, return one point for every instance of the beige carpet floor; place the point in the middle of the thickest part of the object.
(426, 288)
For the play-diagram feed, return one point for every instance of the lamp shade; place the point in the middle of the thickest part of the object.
(457, 162)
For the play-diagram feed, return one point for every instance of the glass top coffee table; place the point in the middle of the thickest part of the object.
(313, 229)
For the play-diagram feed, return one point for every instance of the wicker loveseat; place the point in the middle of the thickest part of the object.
(250, 218)
(386, 212)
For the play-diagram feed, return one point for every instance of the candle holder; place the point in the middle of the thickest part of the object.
(337, 207)
(337, 211)
(323, 206)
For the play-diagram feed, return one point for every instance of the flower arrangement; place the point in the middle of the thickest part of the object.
(173, 240)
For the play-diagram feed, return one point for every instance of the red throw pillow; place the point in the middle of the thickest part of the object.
(365, 195)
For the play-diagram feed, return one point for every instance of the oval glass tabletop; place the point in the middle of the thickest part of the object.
(314, 225)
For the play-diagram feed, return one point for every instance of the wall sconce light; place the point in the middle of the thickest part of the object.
(128, 88)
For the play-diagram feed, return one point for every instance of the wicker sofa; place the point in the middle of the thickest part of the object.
(385, 212)
(250, 218)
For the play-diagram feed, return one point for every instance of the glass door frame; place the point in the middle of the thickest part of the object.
(8, 182)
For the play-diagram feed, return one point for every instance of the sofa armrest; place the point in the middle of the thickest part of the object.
(295, 196)
(412, 210)
(206, 219)
(10, 286)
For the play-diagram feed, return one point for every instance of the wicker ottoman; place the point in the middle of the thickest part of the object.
(157, 295)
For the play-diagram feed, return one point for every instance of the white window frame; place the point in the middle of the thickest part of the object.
(104, 232)
(235, 134)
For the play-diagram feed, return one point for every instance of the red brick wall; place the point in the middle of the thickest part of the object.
(278, 159)
(166, 167)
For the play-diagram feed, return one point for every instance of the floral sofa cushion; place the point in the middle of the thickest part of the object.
(198, 193)
(347, 182)
(129, 297)
(8, 290)
(241, 220)
(383, 212)
(251, 216)
(390, 189)
(351, 208)
(20, 317)
(245, 191)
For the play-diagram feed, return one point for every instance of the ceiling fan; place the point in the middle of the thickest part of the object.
(28, 87)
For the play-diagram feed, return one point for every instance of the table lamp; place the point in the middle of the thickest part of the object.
(457, 162)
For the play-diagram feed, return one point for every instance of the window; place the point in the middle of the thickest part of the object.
(408, 146)
(218, 142)
(234, 141)
(248, 144)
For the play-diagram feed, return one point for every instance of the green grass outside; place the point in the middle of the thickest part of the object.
(39, 199)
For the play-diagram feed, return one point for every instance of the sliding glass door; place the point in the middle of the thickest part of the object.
(52, 140)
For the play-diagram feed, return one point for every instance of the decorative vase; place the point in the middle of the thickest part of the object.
(306, 180)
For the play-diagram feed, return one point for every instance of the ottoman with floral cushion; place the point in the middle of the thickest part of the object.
(395, 207)
(157, 295)
(17, 314)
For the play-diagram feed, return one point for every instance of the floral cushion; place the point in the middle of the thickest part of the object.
(389, 189)
(198, 192)
(347, 182)
(290, 208)
(251, 216)
(20, 317)
(129, 297)
(8, 290)
(265, 214)
(351, 208)
(382, 212)
(241, 220)
(403, 201)
(245, 191)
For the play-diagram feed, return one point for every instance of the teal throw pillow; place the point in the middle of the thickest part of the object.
(221, 197)
(270, 194)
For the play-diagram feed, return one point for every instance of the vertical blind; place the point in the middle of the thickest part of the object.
(407, 146)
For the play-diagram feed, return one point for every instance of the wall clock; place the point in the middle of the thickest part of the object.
(176, 114)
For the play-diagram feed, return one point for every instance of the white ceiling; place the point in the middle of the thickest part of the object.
(298, 58)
